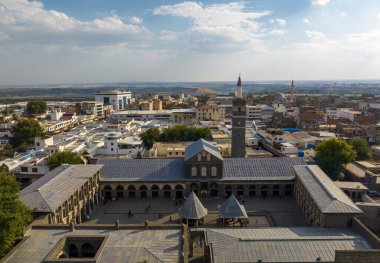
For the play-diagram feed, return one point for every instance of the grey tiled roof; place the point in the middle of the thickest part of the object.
(200, 145)
(132, 245)
(281, 244)
(327, 196)
(53, 189)
(145, 170)
(232, 209)
(173, 170)
(193, 208)
(264, 169)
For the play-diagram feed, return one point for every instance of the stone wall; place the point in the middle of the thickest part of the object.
(357, 256)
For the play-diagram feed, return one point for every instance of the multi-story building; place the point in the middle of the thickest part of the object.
(208, 112)
(118, 98)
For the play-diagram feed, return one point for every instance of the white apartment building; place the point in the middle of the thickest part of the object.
(118, 98)
(260, 112)
(116, 144)
(348, 114)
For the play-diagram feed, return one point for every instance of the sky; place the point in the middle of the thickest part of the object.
(101, 41)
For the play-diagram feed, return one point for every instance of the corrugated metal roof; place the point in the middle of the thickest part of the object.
(173, 170)
(202, 145)
(232, 209)
(327, 196)
(193, 208)
(53, 189)
(281, 244)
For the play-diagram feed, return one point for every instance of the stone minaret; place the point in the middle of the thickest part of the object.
(292, 91)
(238, 122)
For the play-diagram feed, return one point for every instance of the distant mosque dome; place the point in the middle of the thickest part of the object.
(279, 96)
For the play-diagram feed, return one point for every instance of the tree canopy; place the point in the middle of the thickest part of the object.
(14, 215)
(59, 158)
(178, 133)
(36, 107)
(332, 154)
(362, 149)
(6, 152)
(25, 131)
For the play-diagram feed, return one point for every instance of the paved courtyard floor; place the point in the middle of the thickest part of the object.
(281, 211)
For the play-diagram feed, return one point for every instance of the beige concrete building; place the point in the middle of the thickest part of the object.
(66, 194)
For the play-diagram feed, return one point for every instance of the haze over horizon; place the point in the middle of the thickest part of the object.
(99, 41)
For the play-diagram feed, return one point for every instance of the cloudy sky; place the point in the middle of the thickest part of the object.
(89, 41)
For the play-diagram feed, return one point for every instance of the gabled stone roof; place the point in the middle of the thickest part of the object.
(202, 145)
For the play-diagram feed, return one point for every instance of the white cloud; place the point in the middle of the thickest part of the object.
(306, 21)
(136, 20)
(343, 14)
(30, 22)
(166, 35)
(281, 22)
(277, 32)
(378, 16)
(320, 2)
(218, 21)
(314, 35)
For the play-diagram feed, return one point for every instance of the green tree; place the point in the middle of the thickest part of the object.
(36, 107)
(14, 215)
(59, 158)
(150, 136)
(25, 131)
(362, 149)
(332, 154)
(6, 152)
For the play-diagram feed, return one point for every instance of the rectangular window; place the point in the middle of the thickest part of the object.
(24, 169)
(34, 170)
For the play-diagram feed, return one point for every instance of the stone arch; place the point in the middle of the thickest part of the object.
(227, 191)
(88, 250)
(73, 251)
(131, 191)
(264, 191)
(240, 191)
(143, 191)
(119, 191)
(213, 189)
(167, 191)
(276, 190)
(155, 191)
(178, 191)
(252, 191)
(288, 190)
(107, 192)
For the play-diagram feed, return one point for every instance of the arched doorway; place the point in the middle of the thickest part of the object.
(288, 190)
(240, 191)
(131, 191)
(107, 192)
(178, 191)
(73, 251)
(276, 190)
(252, 191)
(120, 191)
(264, 191)
(167, 191)
(88, 251)
(213, 189)
(194, 188)
(143, 191)
(155, 189)
(227, 191)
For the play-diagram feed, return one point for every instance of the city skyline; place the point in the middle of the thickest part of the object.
(183, 41)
